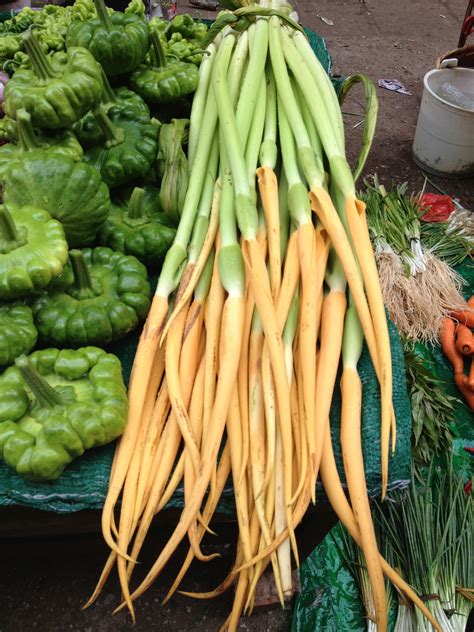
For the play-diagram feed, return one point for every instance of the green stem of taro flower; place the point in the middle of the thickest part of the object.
(269, 148)
(199, 102)
(313, 174)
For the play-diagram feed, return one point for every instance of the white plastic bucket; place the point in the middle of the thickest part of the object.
(444, 137)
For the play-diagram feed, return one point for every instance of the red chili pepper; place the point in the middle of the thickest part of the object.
(438, 207)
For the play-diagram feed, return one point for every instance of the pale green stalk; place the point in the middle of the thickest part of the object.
(284, 212)
(250, 88)
(244, 207)
(231, 266)
(335, 278)
(237, 66)
(204, 283)
(323, 82)
(201, 225)
(339, 168)
(199, 101)
(298, 201)
(352, 339)
(313, 175)
(227, 223)
(289, 332)
(255, 137)
(269, 147)
(177, 254)
(311, 127)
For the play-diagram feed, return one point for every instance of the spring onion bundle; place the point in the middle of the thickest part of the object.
(355, 563)
(270, 281)
(428, 535)
(419, 289)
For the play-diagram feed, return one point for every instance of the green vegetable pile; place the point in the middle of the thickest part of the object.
(93, 175)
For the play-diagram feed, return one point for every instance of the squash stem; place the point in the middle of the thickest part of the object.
(41, 389)
(158, 49)
(40, 62)
(108, 95)
(26, 134)
(8, 231)
(103, 14)
(114, 135)
(82, 276)
(135, 204)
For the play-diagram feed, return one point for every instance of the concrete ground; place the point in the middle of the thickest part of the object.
(390, 40)
(43, 581)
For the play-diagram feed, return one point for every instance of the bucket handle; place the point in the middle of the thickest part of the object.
(370, 116)
(451, 62)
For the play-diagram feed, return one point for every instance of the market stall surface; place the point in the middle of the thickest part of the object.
(45, 579)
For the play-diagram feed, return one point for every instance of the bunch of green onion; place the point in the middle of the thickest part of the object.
(427, 533)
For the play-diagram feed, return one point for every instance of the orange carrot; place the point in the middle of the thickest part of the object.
(464, 340)
(470, 380)
(467, 393)
(446, 338)
(465, 317)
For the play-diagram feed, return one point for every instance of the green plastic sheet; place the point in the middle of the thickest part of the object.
(330, 600)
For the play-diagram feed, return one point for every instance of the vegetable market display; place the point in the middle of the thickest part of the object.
(268, 282)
